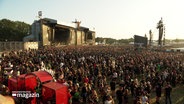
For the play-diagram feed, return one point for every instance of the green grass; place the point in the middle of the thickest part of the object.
(177, 96)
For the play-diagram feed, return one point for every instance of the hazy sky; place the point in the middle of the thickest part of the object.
(110, 18)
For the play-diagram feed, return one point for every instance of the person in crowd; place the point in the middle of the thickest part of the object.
(84, 92)
(109, 100)
(75, 96)
(97, 66)
(69, 96)
(158, 92)
(144, 98)
(113, 86)
(38, 90)
(126, 96)
(168, 90)
(6, 100)
(119, 95)
(94, 98)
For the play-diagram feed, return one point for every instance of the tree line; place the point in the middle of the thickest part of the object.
(113, 41)
(13, 30)
(17, 30)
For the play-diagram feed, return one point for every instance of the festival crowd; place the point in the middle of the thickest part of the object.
(101, 74)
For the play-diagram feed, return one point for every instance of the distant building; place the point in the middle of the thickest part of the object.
(47, 32)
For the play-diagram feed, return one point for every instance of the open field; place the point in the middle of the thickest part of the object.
(177, 96)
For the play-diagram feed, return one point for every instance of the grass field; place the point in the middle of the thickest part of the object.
(177, 96)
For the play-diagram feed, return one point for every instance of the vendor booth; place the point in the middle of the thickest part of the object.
(12, 84)
(56, 92)
(28, 82)
(32, 79)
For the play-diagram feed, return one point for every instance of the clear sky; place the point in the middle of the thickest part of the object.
(111, 18)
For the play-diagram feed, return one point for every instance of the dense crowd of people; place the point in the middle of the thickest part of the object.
(102, 74)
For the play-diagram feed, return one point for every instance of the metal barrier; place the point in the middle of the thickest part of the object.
(11, 46)
(17, 46)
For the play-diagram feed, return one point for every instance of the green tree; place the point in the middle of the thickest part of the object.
(126, 41)
(13, 30)
(110, 40)
(99, 39)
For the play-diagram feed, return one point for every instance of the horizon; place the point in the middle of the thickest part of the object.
(118, 20)
(69, 24)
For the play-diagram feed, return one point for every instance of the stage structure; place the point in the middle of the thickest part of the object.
(48, 32)
(140, 41)
(161, 30)
(151, 38)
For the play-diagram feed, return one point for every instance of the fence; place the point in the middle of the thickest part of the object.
(17, 46)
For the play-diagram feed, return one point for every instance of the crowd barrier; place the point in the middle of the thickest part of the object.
(17, 46)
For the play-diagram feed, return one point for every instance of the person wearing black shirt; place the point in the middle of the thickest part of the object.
(113, 86)
(158, 92)
(168, 90)
(119, 94)
(38, 90)
(84, 92)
